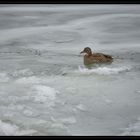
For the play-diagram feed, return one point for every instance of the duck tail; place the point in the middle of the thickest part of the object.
(108, 56)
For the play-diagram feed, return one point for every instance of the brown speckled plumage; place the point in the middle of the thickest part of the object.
(91, 58)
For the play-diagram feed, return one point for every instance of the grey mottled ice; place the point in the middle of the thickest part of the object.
(44, 87)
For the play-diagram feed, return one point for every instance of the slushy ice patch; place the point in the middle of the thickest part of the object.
(4, 77)
(44, 94)
(104, 70)
(12, 129)
(28, 80)
(22, 72)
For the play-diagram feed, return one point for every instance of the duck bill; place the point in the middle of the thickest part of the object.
(81, 52)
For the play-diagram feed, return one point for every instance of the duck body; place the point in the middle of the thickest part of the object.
(91, 58)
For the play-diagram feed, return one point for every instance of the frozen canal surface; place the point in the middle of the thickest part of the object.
(45, 88)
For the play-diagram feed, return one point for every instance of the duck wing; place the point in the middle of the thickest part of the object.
(108, 56)
(101, 55)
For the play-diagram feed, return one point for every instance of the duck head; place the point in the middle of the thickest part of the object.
(87, 50)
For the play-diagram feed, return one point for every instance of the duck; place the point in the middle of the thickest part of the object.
(92, 58)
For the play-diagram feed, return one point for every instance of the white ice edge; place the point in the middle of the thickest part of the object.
(104, 70)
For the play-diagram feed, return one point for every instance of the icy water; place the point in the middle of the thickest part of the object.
(44, 87)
